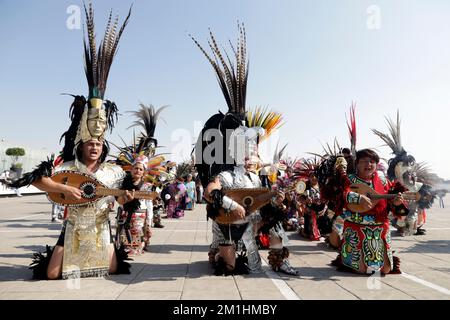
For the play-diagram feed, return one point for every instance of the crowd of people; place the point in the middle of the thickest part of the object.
(345, 196)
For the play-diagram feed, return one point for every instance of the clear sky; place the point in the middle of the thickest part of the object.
(308, 60)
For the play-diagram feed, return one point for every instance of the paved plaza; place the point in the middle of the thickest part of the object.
(177, 267)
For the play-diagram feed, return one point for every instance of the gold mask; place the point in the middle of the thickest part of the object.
(341, 164)
(93, 122)
(96, 122)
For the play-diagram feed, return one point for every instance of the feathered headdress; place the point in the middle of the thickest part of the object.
(147, 118)
(184, 169)
(232, 77)
(91, 117)
(128, 154)
(352, 129)
(270, 121)
(401, 162)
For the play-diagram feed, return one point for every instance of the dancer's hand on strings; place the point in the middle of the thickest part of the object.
(72, 193)
(238, 212)
(365, 202)
(126, 197)
(398, 200)
(279, 198)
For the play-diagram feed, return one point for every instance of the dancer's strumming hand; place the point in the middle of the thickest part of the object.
(279, 198)
(365, 202)
(398, 200)
(72, 193)
(238, 212)
(126, 197)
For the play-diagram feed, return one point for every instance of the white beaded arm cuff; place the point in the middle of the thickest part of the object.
(228, 203)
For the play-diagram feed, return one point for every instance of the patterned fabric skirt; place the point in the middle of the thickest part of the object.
(139, 232)
(366, 245)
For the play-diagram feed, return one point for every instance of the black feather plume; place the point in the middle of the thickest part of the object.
(147, 118)
(98, 64)
(232, 77)
(75, 114)
(44, 169)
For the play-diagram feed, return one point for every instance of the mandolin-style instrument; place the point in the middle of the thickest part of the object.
(91, 189)
(253, 199)
(250, 198)
(375, 197)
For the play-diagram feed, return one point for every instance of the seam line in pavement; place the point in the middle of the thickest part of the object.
(426, 283)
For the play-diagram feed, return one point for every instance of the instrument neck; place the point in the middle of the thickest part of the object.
(119, 192)
(382, 196)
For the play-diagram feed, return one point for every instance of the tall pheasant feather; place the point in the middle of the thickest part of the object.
(232, 77)
(394, 140)
(352, 129)
(98, 63)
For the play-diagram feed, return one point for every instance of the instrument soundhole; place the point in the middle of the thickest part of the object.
(247, 201)
(88, 190)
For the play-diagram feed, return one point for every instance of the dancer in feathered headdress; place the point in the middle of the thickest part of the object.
(144, 169)
(84, 248)
(361, 226)
(414, 176)
(227, 157)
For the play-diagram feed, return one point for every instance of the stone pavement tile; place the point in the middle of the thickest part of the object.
(199, 268)
(441, 256)
(187, 225)
(317, 260)
(199, 256)
(32, 295)
(384, 294)
(439, 278)
(214, 288)
(150, 295)
(167, 258)
(425, 260)
(428, 295)
(158, 274)
(160, 283)
(82, 295)
(255, 282)
(30, 286)
(319, 290)
(262, 295)
(414, 289)
(352, 282)
(97, 284)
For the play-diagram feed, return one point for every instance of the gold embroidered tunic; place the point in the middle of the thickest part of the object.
(88, 233)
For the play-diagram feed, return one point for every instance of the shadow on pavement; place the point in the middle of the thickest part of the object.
(430, 246)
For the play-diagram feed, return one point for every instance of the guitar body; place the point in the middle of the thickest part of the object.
(250, 199)
(375, 197)
(87, 184)
(365, 190)
(91, 189)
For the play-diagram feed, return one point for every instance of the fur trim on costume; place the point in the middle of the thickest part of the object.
(40, 262)
(396, 266)
(276, 257)
(212, 255)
